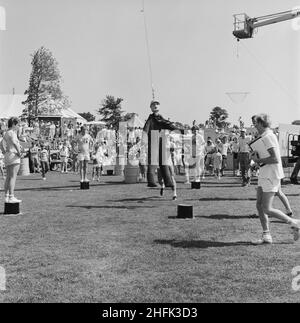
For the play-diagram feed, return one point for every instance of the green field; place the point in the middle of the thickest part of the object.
(123, 243)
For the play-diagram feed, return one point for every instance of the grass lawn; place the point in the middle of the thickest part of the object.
(122, 243)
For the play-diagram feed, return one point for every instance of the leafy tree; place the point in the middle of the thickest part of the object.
(87, 116)
(218, 117)
(44, 81)
(111, 111)
(128, 116)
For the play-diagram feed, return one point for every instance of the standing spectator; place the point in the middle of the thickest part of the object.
(244, 157)
(1, 158)
(217, 162)
(225, 148)
(85, 143)
(235, 155)
(44, 159)
(65, 129)
(11, 149)
(209, 150)
(36, 128)
(52, 131)
(34, 157)
(64, 155)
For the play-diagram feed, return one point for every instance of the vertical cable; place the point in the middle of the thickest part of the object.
(148, 50)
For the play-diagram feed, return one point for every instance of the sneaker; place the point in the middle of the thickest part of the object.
(266, 239)
(6, 199)
(290, 214)
(187, 183)
(294, 181)
(162, 191)
(152, 185)
(296, 229)
(13, 199)
(174, 198)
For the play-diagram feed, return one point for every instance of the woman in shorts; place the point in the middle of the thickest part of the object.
(269, 180)
(11, 149)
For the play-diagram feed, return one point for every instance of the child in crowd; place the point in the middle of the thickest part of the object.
(44, 159)
(74, 156)
(97, 162)
(64, 155)
(217, 161)
(34, 154)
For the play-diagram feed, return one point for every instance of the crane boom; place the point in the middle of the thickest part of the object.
(244, 26)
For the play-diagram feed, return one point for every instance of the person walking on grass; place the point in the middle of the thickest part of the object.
(11, 149)
(269, 181)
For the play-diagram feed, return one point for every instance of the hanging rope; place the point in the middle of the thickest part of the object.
(148, 49)
(283, 88)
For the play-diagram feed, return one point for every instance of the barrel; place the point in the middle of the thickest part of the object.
(131, 174)
(119, 167)
(24, 167)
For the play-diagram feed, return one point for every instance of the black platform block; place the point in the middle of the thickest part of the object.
(12, 209)
(196, 185)
(84, 185)
(185, 211)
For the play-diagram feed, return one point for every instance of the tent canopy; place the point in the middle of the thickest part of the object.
(135, 122)
(11, 106)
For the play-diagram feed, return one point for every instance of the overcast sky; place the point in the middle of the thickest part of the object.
(101, 50)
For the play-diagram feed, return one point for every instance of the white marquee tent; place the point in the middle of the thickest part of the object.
(11, 106)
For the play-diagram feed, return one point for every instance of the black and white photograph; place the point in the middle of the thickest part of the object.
(149, 154)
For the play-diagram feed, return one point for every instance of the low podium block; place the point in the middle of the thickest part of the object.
(12, 209)
(196, 185)
(84, 185)
(185, 211)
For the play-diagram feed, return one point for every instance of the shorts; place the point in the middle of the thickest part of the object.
(209, 160)
(82, 157)
(269, 185)
(64, 159)
(11, 159)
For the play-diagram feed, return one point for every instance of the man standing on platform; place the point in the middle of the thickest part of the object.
(155, 122)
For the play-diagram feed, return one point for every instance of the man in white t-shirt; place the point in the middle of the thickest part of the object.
(85, 142)
(269, 180)
(244, 157)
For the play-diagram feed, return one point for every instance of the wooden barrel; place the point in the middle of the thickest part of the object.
(24, 167)
(131, 174)
(119, 167)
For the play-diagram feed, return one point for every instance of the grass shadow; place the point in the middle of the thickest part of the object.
(203, 244)
(215, 199)
(51, 188)
(228, 217)
(128, 207)
(138, 200)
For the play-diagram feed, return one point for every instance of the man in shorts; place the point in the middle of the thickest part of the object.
(85, 143)
(269, 181)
